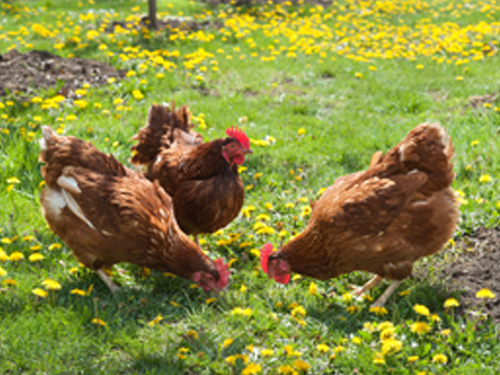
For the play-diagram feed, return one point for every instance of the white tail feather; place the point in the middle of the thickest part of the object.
(75, 208)
(69, 184)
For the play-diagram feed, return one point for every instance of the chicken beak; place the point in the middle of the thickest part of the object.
(247, 151)
(211, 285)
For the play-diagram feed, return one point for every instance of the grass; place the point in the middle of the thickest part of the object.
(318, 93)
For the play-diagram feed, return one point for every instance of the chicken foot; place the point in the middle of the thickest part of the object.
(380, 302)
(104, 277)
(376, 280)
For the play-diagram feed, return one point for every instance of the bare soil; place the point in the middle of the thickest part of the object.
(24, 74)
(477, 267)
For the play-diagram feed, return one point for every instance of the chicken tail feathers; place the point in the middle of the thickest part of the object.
(165, 126)
(58, 151)
(427, 148)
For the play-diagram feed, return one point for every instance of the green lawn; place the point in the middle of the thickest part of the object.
(318, 90)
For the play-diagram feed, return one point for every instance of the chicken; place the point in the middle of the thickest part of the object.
(380, 220)
(107, 214)
(202, 178)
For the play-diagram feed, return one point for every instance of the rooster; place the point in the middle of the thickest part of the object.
(107, 214)
(202, 178)
(380, 220)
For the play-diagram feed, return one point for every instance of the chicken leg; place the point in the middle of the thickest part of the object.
(104, 277)
(380, 302)
(376, 280)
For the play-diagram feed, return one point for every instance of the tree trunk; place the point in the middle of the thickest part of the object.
(153, 22)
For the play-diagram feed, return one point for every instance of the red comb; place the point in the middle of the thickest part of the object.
(264, 256)
(224, 273)
(239, 135)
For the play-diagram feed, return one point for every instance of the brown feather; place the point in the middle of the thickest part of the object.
(207, 191)
(385, 218)
(133, 217)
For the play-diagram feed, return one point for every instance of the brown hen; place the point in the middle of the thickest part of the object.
(381, 220)
(107, 214)
(202, 178)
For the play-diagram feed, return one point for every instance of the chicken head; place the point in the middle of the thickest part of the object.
(276, 268)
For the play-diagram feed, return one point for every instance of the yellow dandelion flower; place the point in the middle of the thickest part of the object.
(137, 94)
(51, 284)
(391, 346)
(420, 328)
(313, 288)
(155, 321)
(445, 332)
(435, 318)
(80, 103)
(358, 75)
(301, 131)
(9, 282)
(3, 255)
(3, 272)
(287, 370)
(99, 322)
(231, 360)
(40, 292)
(247, 211)
(485, 178)
(405, 293)
(251, 369)
(36, 257)
(227, 342)
(387, 334)
(339, 349)
(299, 311)
(266, 352)
(16, 256)
(356, 340)
(263, 217)
(323, 348)
(485, 294)
(78, 292)
(440, 358)
(378, 359)
(413, 358)
(378, 310)
(301, 365)
(347, 297)
(421, 310)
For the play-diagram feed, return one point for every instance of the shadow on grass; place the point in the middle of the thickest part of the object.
(399, 308)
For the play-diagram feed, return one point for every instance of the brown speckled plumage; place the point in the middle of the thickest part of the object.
(127, 218)
(206, 190)
(385, 218)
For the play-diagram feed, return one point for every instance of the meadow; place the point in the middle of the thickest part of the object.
(318, 89)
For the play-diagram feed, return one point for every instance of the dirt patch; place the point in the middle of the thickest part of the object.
(24, 74)
(478, 101)
(478, 267)
(169, 23)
